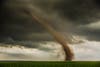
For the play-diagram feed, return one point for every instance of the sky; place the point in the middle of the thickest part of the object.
(50, 51)
(69, 17)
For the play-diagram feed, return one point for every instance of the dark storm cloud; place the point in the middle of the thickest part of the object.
(90, 31)
(65, 15)
(79, 11)
(15, 23)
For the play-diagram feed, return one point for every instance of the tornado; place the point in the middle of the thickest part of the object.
(56, 35)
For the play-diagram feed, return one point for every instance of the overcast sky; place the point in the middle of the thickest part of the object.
(77, 17)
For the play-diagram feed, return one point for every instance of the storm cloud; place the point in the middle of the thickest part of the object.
(65, 16)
